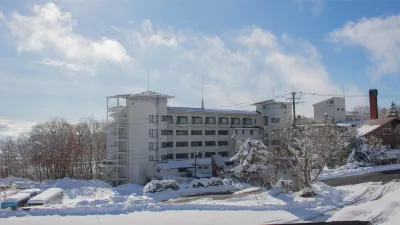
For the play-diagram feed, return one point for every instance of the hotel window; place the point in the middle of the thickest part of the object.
(196, 132)
(197, 143)
(209, 132)
(182, 144)
(223, 120)
(153, 133)
(210, 120)
(223, 132)
(182, 132)
(235, 121)
(153, 119)
(197, 120)
(223, 143)
(182, 120)
(247, 121)
(209, 143)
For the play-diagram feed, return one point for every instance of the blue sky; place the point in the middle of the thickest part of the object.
(61, 58)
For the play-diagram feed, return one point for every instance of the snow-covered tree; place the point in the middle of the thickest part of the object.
(367, 151)
(392, 111)
(308, 148)
(254, 163)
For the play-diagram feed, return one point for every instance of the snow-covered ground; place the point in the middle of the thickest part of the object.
(346, 171)
(93, 202)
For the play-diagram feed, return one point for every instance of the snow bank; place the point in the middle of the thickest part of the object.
(160, 186)
(349, 170)
(384, 209)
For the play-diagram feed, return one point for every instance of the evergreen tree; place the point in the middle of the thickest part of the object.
(392, 111)
(254, 163)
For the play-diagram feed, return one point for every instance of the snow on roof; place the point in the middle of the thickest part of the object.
(151, 94)
(145, 93)
(365, 129)
(228, 111)
(351, 123)
(188, 163)
(31, 191)
(42, 197)
(269, 101)
(18, 197)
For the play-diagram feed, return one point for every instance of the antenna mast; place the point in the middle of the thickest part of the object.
(202, 92)
(148, 80)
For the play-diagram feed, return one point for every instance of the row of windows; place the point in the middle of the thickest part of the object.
(170, 144)
(251, 132)
(186, 155)
(193, 132)
(273, 120)
(199, 120)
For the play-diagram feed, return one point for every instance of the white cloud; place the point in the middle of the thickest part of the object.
(380, 36)
(238, 68)
(316, 7)
(51, 29)
(12, 128)
(66, 65)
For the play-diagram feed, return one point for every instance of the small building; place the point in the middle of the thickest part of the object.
(334, 107)
(386, 129)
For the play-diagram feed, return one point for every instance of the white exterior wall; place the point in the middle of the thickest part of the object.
(334, 107)
(140, 108)
(274, 110)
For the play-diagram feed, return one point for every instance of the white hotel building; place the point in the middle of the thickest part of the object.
(147, 138)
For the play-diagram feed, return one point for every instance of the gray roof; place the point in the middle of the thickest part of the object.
(145, 93)
(269, 101)
(227, 111)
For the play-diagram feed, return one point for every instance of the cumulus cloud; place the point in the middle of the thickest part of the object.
(380, 36)
(242, 67)
(239, 68)
(49, 29)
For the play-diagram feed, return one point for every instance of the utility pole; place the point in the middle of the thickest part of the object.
(294, 103)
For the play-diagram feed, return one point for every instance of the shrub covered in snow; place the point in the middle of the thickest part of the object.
(254, 163)
(205, 182)
(307, 192)
(160, 185)
(367, 151)
(284, 184)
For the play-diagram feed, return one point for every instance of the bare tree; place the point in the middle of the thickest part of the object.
(365, 112)
(307, 149)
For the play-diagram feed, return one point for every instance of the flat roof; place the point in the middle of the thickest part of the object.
(270, 101)
(227, 111)
(42, 197)
(18, 197)
(145, 93)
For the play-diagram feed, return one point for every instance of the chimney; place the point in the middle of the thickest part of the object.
(373, 104)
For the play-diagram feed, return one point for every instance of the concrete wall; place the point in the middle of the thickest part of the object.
(334, 107)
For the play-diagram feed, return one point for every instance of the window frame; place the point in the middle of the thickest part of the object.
(223, 143)
(167, 119)
(181, 132)
(191, 133)
(167, 144)
(234, 120)
(220, 119)
(225, 132)
(387, 129)
(177, 154)
(192, 142)
(184, 146)
(152, 120)
(167, 132)
(153, 145)
(197, 117)
(205, 143)
(212, 131)
(179, 118)
(153, 134)
(208, 120)
(247, 119)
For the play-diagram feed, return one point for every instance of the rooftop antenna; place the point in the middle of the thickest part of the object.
(148, 80)
(273, 93)
(202, 92)
(344, 92)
